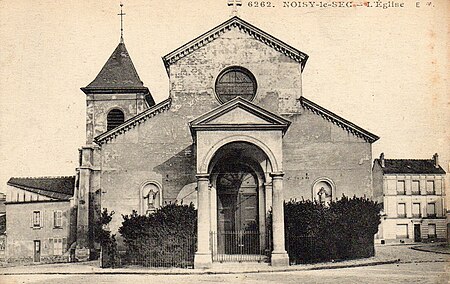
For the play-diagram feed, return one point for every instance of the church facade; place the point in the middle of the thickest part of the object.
(235, 136)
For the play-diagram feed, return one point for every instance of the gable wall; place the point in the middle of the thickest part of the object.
(315, 148)
(161, 148)
(192, 78)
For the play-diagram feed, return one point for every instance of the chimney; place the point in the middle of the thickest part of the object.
(382, 160)
(436, 160)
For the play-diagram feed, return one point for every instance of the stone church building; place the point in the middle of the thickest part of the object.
(235, 136)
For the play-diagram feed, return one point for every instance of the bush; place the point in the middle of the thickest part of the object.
(108, 244)
(165, 238)
(343, 230)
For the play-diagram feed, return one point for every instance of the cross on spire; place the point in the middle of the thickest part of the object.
(234, 4)
(121, 22)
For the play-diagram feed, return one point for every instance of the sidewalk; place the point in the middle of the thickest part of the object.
(228, 268)
(384, 255)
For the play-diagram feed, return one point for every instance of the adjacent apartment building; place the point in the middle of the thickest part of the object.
(412, 192)
(38, 225)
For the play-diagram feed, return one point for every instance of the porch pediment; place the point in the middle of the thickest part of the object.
(238, 114)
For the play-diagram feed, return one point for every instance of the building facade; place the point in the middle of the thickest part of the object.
(413, 196)
(234, 132)
(39, 219)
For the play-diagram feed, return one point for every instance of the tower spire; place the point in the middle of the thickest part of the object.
(121, 22)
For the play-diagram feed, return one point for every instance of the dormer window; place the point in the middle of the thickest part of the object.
(115, 118)
(235, 82)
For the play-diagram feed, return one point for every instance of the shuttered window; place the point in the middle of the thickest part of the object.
(430, 187)
(415, 187)
(57, 219)
(402, 231)
(401, 210)
(416, 210)
(431, 230)
(115, 118)
(401, 187)
(431, 210)
(57, 247)
(36, 221)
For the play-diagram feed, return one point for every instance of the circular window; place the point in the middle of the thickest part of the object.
(235, 82)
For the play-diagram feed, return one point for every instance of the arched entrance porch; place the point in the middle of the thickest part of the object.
(238, 172)
(242, 134)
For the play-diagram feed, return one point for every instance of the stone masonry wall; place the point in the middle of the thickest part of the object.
(161, 148)
(315, 148)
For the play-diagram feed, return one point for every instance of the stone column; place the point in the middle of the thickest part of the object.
(203, 257)
(82, 251)
(279, 254)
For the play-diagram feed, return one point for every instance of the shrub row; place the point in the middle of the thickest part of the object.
(342, 230)
(164, 238)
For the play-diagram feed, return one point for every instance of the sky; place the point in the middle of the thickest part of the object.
(384, 69)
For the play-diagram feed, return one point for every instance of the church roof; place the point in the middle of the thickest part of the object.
(410, 166)
(132, 122)
(117, 75)
(59, 188)
(245, 27)
(336, 119)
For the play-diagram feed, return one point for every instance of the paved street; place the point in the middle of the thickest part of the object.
(393, 273)
(414, 267)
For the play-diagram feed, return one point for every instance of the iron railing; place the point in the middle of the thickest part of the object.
(172, 251)
(239, 246)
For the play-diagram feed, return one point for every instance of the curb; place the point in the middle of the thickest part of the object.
(428, 250)
(206, 272)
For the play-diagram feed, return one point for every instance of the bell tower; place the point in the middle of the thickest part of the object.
(115, 95)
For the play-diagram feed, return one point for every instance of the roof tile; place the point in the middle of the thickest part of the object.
(118, 72)
(410, 166)
(61, 188)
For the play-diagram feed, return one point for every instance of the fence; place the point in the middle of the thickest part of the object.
(239, 246)
(232, 246)
(167, 251)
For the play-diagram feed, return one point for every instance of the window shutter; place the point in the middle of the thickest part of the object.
(54, 218)
(31, 219)
(42, 218)
(50, 247)
(63, 220)
(64, 245)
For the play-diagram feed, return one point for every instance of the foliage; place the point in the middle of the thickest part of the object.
(108, 243)
(342, 230)
(164, 238)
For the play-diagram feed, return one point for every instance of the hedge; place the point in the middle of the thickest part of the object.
(166, 237)
(343, 230)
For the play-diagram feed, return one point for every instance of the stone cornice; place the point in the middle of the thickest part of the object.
(132, 122)
(272, 121)
(243, 26)
(339, 121)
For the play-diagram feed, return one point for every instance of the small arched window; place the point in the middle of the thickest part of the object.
(114, 119)
(235, 82)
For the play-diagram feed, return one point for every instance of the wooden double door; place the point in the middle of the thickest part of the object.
(237, 212)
